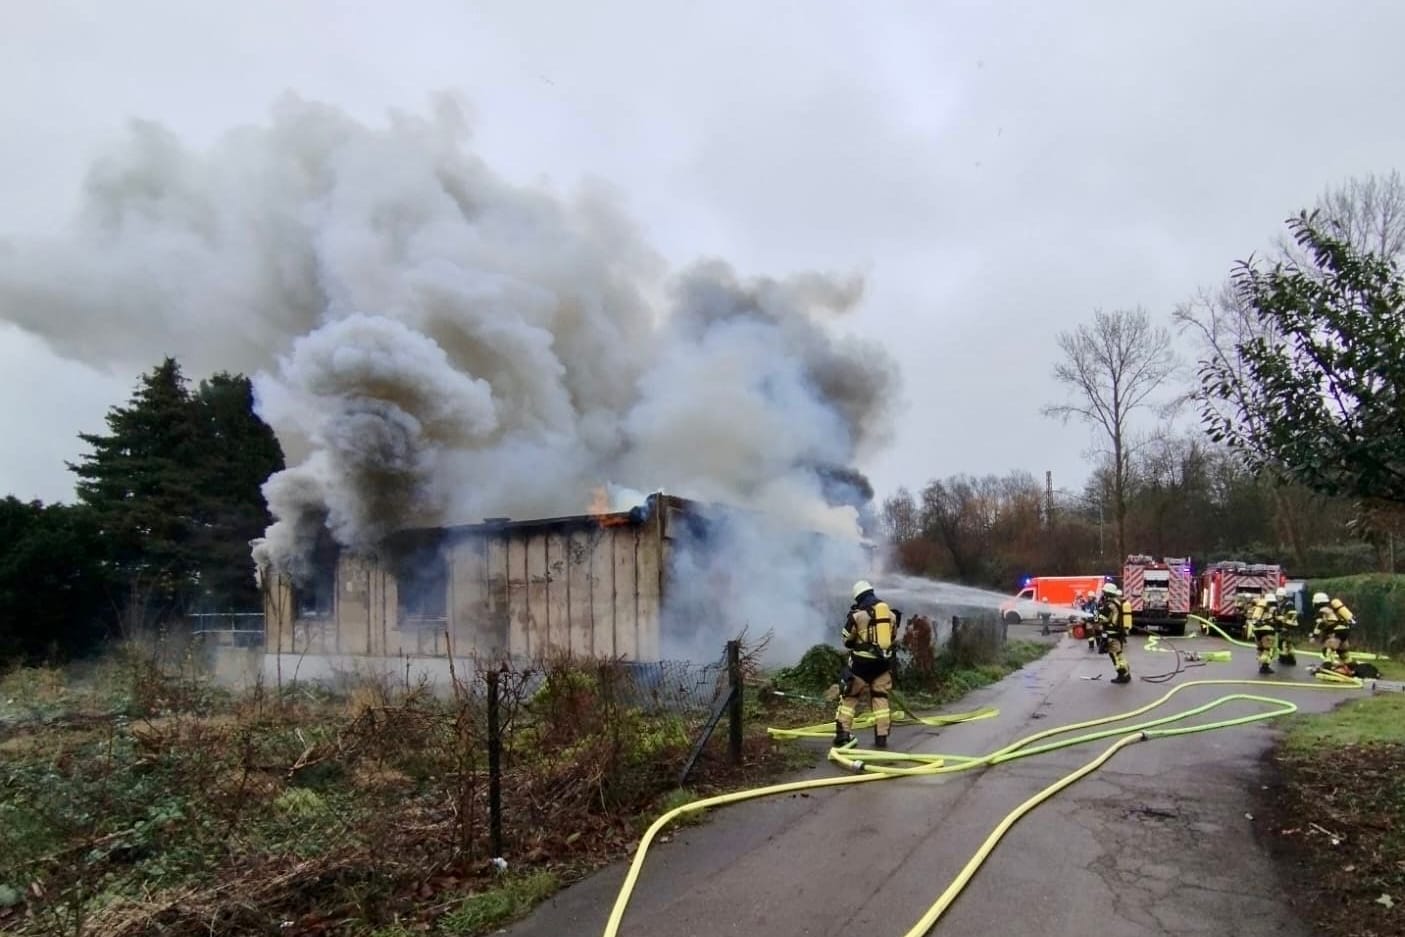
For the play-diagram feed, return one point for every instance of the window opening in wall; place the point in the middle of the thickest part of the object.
(422, 586)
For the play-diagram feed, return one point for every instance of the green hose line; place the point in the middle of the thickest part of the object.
(612, 927)
(1353, 655)
(896, 716)
(866, 765)
(936, 763)
(968, 871)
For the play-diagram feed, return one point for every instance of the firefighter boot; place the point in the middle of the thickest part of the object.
(1265, 668)
(1122, 676)
(1092, 644)
(841, 735)
(880, 741)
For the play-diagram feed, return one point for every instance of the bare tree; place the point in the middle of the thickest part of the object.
(1368, 212)
(901, 520)
(1113, 366)
(1221, 322)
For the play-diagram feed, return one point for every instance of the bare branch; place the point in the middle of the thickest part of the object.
(1113, 367)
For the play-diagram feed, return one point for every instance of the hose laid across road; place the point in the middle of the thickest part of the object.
(1211, 626)
(881, 765)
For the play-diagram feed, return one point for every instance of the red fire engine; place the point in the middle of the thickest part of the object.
(1228, 588)
(1160, 592)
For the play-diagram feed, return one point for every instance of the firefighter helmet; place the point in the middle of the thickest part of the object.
(862, 586)
(1110, 588)
(1320, 598)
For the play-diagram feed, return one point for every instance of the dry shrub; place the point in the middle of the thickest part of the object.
(317, 809)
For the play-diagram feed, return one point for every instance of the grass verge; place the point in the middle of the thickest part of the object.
(498, 906)
(1335, 816)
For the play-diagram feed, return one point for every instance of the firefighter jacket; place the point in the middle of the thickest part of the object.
(1115, 616)
(1333, 617)
(871, 635)
(1262, 615)
(1286, 618)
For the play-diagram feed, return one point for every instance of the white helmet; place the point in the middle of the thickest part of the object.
(1110, 588)
(862, 586)
(1281, 593)
(1320, 598)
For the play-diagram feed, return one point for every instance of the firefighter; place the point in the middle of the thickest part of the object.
(1093, 622)
(1333, 627)
(1262, 615)
(1286, 624)
(1115, 620)
(870, 634)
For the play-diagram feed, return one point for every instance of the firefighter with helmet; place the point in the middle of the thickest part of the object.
(1094, 623)
(1115, 621)
(1333, 626)
(1262, 629)
(1285, 623)
(870, 634)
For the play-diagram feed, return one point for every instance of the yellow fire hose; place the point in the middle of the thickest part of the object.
(876, 766)
(1353, 655)
(902, 715)
(1153, 643)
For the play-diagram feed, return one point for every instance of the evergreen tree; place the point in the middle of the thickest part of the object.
(174, 485)
(54, 587)
(240, 452)
(139, 483)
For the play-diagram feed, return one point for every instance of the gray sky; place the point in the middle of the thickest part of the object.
(995, 173)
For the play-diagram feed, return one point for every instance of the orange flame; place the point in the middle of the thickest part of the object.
(600, 509)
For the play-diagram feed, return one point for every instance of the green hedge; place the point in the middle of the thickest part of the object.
(1378, 599)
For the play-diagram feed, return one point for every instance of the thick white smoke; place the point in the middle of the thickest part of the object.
(436, 345)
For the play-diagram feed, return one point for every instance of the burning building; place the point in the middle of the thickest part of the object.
(636, 585)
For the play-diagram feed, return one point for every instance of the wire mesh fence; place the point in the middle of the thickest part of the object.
(291, 791)
(656, 687)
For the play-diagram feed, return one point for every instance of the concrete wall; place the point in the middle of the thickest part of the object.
(583, 586)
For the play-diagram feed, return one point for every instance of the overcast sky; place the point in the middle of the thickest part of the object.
(996, 171)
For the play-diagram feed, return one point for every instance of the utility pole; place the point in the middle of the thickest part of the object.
(1048, 499)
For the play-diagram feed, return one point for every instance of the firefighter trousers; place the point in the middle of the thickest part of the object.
(1116, 649)
(1266, 640)
(877, 691)
(1339, 643)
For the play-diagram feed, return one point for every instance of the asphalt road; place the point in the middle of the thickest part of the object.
(1155, 843)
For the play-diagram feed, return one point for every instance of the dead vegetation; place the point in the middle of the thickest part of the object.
(1334, 817)
(155, 805)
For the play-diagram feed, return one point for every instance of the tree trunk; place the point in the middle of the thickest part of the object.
(1119, 496)
(1289, 524)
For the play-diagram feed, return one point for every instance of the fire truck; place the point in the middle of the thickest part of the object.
(1160, 592)
(1226, 589)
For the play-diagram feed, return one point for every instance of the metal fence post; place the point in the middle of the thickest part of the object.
(734, 720)
(494, 768)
